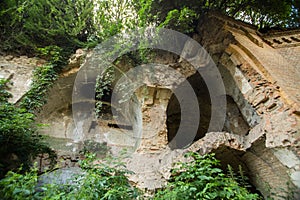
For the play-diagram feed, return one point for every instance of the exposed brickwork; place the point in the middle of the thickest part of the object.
(271, 77)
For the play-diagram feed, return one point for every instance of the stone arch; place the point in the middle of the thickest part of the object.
(239, 116)
(265, 172)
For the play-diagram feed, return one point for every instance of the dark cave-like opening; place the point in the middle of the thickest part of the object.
(174, 112)
(235, 122)
(104, 111)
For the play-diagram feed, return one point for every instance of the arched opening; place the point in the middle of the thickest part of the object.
(235, 121)
(234, 164)
(174, 112)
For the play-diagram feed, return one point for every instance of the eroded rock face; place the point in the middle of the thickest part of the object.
(261, 131)
(18, 70)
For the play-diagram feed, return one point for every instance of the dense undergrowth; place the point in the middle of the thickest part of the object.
(198, 179)
(201, 178)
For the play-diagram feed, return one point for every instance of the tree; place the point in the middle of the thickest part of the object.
(28, 25)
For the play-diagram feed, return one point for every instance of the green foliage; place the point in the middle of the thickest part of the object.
(32, 24)
(108, 179)
(99, 181)
(54, 55)
(112, 17)
(264, 14)
(144, 8)
(26, 26)
(202, 179)
(182, 20)
(19, 140)
(4, 94)
(269, 13)
(18, 185)
(198, 179)
(43, 79)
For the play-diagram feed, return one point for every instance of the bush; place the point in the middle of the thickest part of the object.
(202, 179)
(18, 185)
(19, 140)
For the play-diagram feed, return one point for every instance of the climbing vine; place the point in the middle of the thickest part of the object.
(103, 87)
(42, 80)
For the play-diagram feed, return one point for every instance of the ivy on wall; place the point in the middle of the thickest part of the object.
(36, 97)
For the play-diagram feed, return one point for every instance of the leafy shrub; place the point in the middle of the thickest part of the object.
(19, 140)
(19, 185)
(181, 20)
(202, 179)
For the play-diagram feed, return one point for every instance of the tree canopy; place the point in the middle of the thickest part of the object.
(263, 14)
